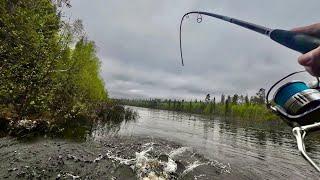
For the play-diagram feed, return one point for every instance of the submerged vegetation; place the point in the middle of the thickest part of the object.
(236, 106)
(49, 70)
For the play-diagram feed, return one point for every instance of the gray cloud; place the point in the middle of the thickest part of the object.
(139, 46)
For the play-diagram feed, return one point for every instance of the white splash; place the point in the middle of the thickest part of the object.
(128, 162)
(73, 176)
(148, 167)
(142, 157)
(199, 176)
(192, 166)
(170, 166)
(178, 151)
(225, 168)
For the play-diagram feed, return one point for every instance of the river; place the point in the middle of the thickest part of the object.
(253, 151)
(203, 148)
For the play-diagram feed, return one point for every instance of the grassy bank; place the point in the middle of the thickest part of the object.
(243, 111)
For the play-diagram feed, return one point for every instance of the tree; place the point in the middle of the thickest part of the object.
(227, 107)
(29, 52)
(40, 75)
(261, 94)
(214, 105)
(207, 99)
(81, 84)
(241, 99)
(235, 99)
(246, 100)
(222, 99)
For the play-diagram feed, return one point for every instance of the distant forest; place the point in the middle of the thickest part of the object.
(237, 106)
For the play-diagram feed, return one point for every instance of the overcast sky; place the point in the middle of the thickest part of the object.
(138, 44)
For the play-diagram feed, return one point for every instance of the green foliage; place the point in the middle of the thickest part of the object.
(80, 83)
(40, 76)
(29, 49)
(86, 71)
(236, 106)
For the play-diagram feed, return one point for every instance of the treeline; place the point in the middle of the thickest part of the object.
(48, 68)
(237, 106)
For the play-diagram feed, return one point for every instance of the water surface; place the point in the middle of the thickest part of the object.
(253, 150)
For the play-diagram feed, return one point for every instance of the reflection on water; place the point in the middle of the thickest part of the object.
(255, 149)
(84, 129)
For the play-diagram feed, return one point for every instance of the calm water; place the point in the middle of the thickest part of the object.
(263, 151)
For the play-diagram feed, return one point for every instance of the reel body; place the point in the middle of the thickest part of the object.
(298, 104)
(297, 97)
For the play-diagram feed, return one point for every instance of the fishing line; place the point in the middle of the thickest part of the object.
(296, 41)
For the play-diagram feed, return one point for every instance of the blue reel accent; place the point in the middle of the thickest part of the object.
(287, 91)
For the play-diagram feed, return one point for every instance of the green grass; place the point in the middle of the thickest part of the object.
(243, 111)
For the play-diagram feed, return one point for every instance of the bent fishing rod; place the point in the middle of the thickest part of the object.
(296, 102)
(296, 41)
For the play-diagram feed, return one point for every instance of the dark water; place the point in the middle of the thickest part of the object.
(253, 150)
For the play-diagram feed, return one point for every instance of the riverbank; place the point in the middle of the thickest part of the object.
(70, 128)
(257, 112)
(111, 158)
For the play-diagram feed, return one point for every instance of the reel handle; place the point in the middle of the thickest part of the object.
(297, 41)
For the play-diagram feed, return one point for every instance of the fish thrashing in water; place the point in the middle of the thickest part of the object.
(174, 165)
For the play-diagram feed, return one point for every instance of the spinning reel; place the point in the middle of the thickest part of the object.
(298, 104)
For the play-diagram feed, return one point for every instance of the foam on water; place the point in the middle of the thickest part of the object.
(178, 151)
(171, 166)
(225, 168)
(192, 166)
(124, 161)
(148, 166)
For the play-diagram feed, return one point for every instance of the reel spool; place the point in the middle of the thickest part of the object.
(298, 104)
(296, 97)
(296, 101)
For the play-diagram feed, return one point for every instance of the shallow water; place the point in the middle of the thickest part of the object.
(252, 150)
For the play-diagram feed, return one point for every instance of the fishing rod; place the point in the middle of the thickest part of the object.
(296, 41)
(296, 102)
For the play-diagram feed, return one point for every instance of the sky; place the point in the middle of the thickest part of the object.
(138, 45)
